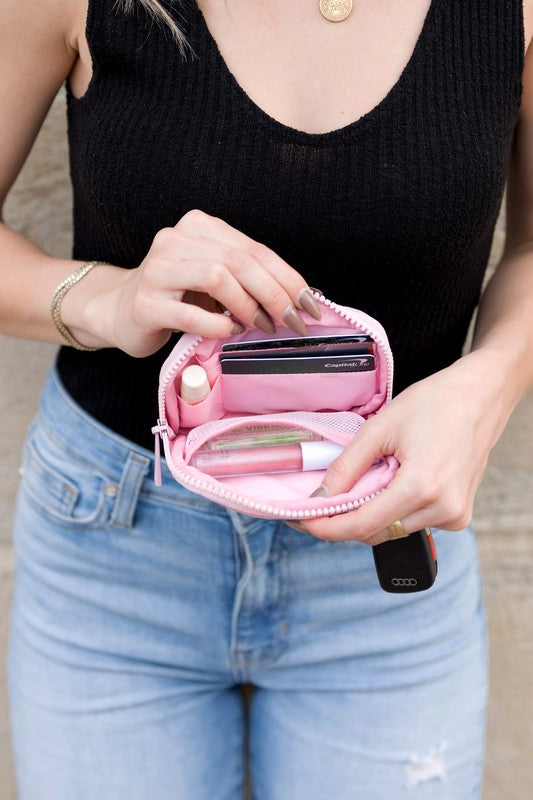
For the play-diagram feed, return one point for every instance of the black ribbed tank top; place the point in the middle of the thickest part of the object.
(393, 213)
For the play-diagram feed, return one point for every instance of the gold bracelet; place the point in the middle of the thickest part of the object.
(57, 299)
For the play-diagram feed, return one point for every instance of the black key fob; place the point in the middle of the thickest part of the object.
(408, 564)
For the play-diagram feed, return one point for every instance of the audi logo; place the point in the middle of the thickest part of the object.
(404, 581)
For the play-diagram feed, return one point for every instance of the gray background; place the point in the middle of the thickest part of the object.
(39, 206)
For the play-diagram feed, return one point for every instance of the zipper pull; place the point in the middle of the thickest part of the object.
(157, 430)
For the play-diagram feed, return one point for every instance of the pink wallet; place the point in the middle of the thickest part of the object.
(333, 406)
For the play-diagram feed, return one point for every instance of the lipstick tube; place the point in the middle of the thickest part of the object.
(301, 457)
(194, 384)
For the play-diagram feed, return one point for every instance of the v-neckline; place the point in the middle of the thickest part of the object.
(326, 137)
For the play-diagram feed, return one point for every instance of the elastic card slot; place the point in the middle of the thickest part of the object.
(268, 394)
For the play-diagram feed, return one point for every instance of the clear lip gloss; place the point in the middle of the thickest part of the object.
(301, 457)
(260, 436)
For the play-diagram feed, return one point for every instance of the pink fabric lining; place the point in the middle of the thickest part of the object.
(333, 405)
(265, 394)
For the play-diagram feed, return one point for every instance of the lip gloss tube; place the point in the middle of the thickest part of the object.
(301, 457)
(260, 436)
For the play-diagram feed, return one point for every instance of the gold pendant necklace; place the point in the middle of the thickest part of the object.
(335, 10)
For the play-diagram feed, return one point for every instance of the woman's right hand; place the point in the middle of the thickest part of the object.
(201, 253)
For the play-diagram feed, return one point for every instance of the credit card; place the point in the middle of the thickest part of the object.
(301, 365)
(300, 342)
(346, 348)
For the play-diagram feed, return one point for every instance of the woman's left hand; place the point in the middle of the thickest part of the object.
(441, 430)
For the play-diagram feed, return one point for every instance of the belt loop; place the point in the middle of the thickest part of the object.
(135, 469)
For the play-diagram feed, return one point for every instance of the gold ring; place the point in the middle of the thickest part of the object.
(396, 530)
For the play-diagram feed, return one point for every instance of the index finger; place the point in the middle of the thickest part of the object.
(216, 229)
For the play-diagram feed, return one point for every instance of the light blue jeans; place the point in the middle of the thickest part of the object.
(139, 612)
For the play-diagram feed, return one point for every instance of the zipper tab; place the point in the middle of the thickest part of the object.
(157, 430)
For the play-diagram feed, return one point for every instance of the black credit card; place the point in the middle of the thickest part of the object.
(346, 348)
(298, 343)
(329, 364)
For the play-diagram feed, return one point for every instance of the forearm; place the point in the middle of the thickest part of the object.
(441, 429)
(28, 279)
(504, 327)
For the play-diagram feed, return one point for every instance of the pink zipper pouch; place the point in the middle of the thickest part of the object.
(332, 406)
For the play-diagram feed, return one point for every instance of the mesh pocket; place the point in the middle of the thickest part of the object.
(338, 426)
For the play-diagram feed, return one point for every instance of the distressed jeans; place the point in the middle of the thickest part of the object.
(139, 612)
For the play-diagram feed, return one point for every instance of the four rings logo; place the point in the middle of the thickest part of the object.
(404, 581)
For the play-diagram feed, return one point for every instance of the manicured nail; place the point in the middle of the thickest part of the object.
(322, 491)
(237, 328)
(309, 304)
(293, 320)
(263, 321)
(298, 526)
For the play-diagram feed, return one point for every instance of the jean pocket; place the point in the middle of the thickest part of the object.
(61, 488)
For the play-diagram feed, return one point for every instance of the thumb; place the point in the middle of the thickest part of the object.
(365, 448)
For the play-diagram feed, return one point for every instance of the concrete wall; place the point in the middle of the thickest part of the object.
(39, 206)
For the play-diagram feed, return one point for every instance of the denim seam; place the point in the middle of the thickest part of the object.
(96, 521)
(238, 657)
(67, 493)
(278, 646)
(284, 577)
(65, 517)
(128, 495)
(279, 604)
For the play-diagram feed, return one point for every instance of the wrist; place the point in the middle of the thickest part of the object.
(87, 310)
(490, 377)
(505, 364)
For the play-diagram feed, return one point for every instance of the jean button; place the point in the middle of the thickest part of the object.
(110, 490)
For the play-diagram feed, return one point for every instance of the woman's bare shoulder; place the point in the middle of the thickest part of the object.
(48, 21)
(38, 48)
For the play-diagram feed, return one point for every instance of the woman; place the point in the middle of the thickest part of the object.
(364, 151)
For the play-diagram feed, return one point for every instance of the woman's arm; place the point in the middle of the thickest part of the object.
(35, 58)
(135, 310)
(504, 323)
(443, 428)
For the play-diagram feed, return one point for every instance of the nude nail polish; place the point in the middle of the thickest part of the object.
(298, 526)
(293, 320)
(309, 304)
(322, 491)
(263, 321)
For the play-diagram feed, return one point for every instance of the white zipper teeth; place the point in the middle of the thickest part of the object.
(370, 331)
(170, 374)
(217, 491)
(220, 491)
